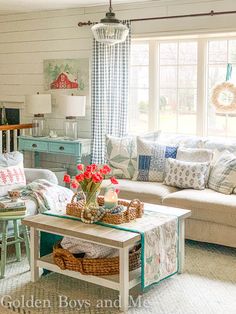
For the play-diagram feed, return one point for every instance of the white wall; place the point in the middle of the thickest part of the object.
(26, 39)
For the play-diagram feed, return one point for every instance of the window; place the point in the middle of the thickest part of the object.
(139, 88)
(220, 53)
(171, 84)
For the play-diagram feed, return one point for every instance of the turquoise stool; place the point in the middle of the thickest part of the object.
(17, 240)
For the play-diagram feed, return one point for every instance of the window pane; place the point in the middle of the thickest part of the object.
(168, 77)
(232, 125)
(187, 101)
(138, 110)
(167, 112)
(232, 51)
(216, 124)
(217, 51)
(187, 123)
(187, 76)
(139, 54)
(217, 74)
(188, 52)
(139, 77)
(168, 53)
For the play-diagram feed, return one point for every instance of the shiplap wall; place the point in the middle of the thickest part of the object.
(26, 39)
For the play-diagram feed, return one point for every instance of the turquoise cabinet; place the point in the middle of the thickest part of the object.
(58, 146)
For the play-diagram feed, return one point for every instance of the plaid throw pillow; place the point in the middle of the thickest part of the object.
(151, 159)
(223, 174)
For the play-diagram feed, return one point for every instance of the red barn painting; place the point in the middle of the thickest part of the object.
(65, 80)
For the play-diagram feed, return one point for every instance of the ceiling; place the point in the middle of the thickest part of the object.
(31, 5)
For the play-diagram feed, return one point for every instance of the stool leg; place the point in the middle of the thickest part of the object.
(17, 245)
(27, 244)
(4, 248)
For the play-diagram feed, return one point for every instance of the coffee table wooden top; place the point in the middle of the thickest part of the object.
(96, 233)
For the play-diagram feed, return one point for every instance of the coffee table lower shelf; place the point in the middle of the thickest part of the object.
(109, 281)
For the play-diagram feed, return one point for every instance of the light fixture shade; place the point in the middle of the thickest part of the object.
(72, 106)
(38, 103)
(110, 33)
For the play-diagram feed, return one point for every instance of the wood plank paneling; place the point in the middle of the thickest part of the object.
(26, 39)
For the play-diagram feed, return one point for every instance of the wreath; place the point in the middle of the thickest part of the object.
(224, 97)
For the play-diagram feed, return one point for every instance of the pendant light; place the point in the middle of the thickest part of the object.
(110, 30)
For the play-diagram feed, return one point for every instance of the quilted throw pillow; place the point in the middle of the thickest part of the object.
(121, 156)
(151, 159)
(186, 175)
(223, 174)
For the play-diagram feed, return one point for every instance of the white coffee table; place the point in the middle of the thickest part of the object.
(119, 239)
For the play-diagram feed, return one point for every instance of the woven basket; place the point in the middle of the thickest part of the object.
(93, 266)
(134, 210)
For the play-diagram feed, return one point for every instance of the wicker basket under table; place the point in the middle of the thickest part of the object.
(94, 266)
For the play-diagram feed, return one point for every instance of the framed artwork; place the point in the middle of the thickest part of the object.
(66, 74)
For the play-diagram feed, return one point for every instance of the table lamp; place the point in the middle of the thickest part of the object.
(71, 107)
(38, 105)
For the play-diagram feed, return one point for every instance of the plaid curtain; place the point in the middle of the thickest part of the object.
(110, 79)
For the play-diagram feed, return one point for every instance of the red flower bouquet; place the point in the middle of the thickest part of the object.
(89, 179)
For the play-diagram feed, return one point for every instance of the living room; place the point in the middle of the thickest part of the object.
(118, 156)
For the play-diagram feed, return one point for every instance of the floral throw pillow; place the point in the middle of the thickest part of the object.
(151, 159)
(186, 175)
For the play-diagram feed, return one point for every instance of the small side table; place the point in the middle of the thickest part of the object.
(59, 146)
(17, 240)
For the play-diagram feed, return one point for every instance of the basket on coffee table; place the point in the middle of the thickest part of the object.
(94, 266)
(133, 209)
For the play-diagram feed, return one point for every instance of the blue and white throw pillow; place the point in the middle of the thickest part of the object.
(151, 160)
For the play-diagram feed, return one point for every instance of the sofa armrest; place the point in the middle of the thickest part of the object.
(32, 174)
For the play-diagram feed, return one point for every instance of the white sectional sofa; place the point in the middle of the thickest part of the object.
(213, 214)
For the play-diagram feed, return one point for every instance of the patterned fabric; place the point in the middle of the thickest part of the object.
(48, 196)
(12, 175)
(159, 244)
(121, 156)
(186, 175)
(223, 174)
(194, 154)
(151, 159)
(110, 78)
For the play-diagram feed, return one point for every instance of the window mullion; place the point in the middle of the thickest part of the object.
(153, 90)
(201, 88)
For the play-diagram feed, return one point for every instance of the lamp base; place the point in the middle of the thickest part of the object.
(39, 126)
(70, 128)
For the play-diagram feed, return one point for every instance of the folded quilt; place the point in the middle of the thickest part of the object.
(49, 196)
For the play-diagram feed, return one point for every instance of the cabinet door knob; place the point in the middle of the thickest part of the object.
(34, 145)
(61, 148)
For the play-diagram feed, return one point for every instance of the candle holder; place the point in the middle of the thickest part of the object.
(110, 198)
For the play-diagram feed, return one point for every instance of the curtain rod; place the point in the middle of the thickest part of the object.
(211, 13)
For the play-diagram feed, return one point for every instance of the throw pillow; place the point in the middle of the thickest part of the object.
(194, 154)
(121, 155)
(223, 174)
(186, 175)
(12, 175)
(151, 159)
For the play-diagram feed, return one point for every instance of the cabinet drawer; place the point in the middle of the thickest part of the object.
(35, 145)
(63, 148)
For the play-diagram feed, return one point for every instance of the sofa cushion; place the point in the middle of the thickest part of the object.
(186, 174)
(223, 174)
(149, 192)
(206, 205)
(12, 174)
(194, 154)
(151, 159)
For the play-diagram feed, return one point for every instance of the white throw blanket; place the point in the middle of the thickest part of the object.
(48, 196)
